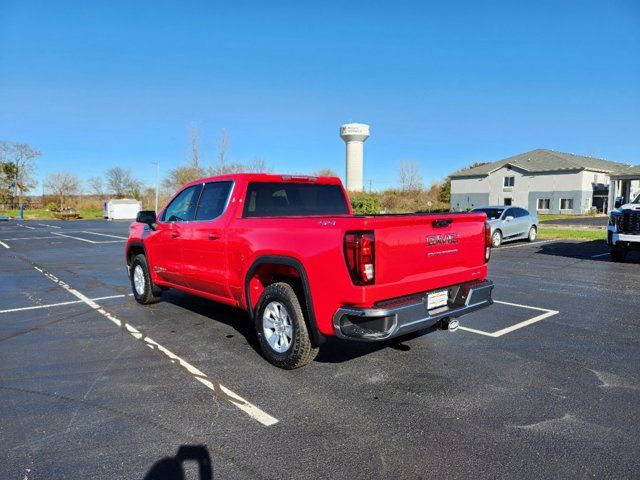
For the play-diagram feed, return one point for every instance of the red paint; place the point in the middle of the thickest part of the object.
(212, 258)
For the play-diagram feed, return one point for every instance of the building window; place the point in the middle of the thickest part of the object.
(566, 204)
(509, 181)
(544, 203)
(507, 201)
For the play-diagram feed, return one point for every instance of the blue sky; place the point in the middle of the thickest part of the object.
(100, 84)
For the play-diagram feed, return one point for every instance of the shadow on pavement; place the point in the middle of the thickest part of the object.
(172, 468)
(333, 351)
(594, 250)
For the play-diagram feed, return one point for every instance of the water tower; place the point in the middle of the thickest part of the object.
(354, 135)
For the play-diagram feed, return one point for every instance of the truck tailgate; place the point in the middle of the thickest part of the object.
(427, 251)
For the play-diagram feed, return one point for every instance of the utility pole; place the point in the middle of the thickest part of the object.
(157, 164)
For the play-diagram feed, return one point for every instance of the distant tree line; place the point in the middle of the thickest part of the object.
(17, 178)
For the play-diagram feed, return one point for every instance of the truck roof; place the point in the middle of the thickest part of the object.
(268, 177)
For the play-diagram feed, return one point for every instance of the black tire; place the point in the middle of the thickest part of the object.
(533, 233)
(496, 239)
(298, 351)
(618, 254)
(150, 292)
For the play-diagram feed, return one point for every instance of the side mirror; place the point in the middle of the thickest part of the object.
(508, 219)
(619, 202)
(148, 217)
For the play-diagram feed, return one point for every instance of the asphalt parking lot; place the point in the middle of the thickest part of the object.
(544, 384)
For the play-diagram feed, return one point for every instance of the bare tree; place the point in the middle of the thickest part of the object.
(258, 165)
(179, 176)
(409, 174)
(195, 148)
(23, 157)
(223, 146)
(325, 172)
(122, 183)
(96, 186)
(62, 185)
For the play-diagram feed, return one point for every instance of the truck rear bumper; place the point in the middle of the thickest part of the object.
(403, 316)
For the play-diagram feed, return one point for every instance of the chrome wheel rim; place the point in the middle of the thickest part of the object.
(532, 234)
(496, 239)
(277, 327)
(138, 280)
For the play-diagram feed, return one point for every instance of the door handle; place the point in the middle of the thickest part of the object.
(175, 234)
(213, 236)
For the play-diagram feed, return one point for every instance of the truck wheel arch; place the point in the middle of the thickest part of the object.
(133, 249)
(307, 302)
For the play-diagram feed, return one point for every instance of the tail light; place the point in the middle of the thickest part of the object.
(487, 242)
(360, 253)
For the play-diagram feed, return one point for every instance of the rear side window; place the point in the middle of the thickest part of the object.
(213, 200)
(509, 213)
(294, 199)
(183, 207)
(521, 212)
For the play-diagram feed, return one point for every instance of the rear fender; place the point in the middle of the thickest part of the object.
(316, 336)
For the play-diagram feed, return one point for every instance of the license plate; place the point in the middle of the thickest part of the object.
(437, 299)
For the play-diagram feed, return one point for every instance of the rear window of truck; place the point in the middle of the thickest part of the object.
(277, 199)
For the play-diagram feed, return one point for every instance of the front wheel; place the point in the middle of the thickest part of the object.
(281, 328)
(618, 254)
(533, 233)
(144, 290)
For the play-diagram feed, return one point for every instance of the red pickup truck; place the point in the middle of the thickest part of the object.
(289, 250)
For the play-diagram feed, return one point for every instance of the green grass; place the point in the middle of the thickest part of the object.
(86, 213)
(572, 234)
(90, 213)
(544, 217)
(28, 214)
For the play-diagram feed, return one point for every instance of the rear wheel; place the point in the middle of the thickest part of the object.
(281, 328)
(618, 254)
(144, 290)
(533, 233)
(496, 239)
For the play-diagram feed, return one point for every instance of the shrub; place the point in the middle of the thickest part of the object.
(363, 204)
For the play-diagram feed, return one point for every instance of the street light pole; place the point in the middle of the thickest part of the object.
(157, 164)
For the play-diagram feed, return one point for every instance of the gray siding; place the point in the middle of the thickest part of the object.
(579, 197)
(464, 201)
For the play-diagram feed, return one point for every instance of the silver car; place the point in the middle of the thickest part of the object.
(510, 223)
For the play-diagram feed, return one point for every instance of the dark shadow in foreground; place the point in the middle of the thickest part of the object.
(172, 468)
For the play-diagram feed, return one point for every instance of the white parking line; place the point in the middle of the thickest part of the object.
(27, 226)
(50, 305)
(547, 313)
(50, 226)
(252, 410)
(87, 240)
(600, 255)
(104, 235)
(25, 238)
(75, 238)
(4, 244)
(524, 245)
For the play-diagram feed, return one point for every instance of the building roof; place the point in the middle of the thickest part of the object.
(541, 160)
(630, 171)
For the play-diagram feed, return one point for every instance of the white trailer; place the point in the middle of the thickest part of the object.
(121, 209)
